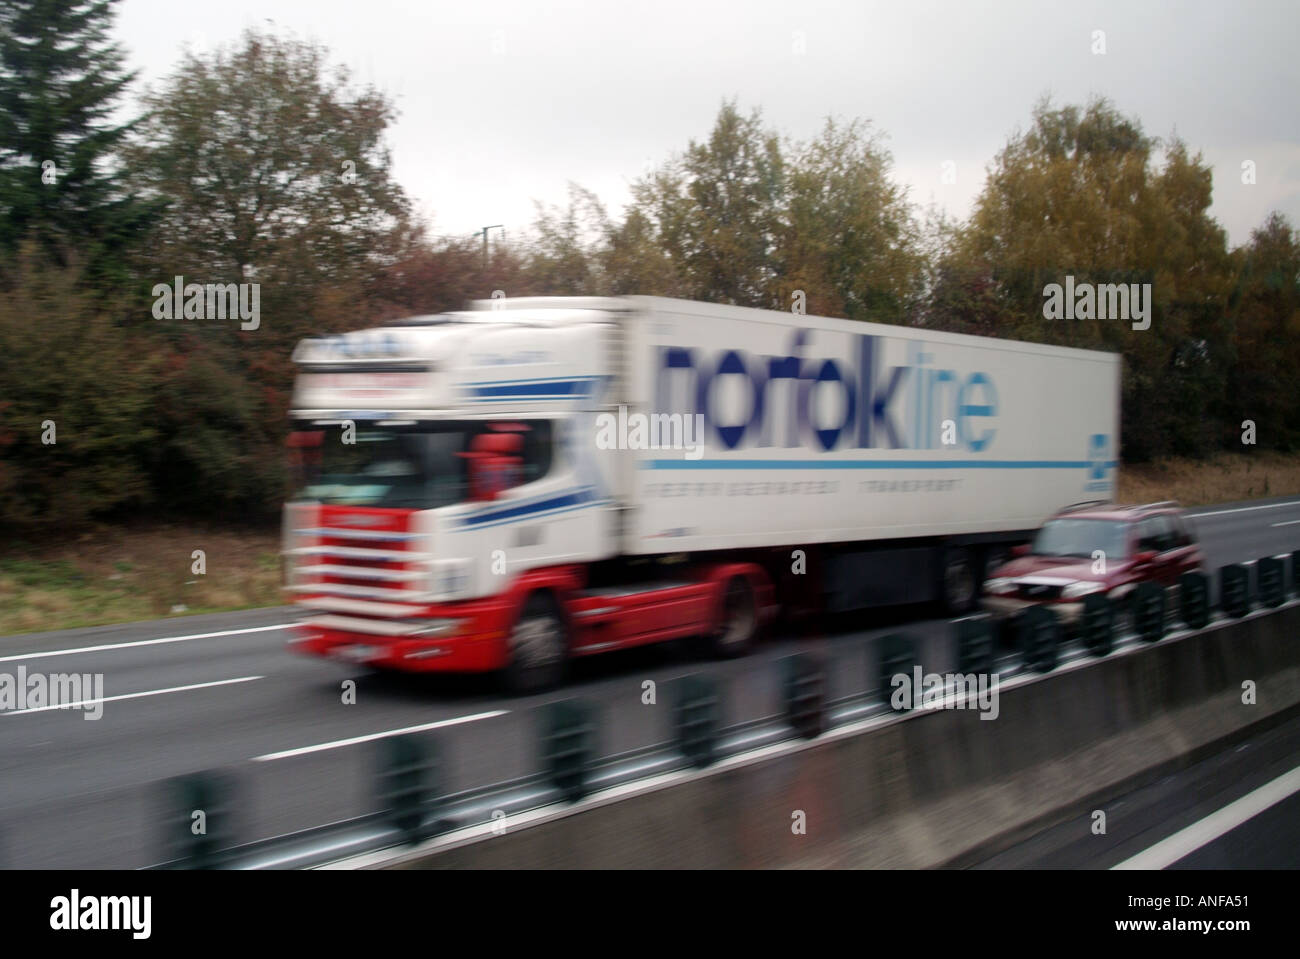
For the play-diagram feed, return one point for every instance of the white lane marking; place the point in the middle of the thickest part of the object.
(113, 699)
(372, 736)
(1186, 841)
(141, 642)
(1241, 509)
(1290, 522)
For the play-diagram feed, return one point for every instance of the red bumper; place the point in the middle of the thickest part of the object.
(475, 643)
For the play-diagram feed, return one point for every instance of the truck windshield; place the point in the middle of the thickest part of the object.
(412, 467)
(1081, 537)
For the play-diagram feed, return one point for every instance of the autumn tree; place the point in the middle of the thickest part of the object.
(717, 211)
(1084, 193)
(850, 238)
(281, 162)
(275, 173)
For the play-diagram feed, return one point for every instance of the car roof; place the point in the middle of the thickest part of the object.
(1116, 511)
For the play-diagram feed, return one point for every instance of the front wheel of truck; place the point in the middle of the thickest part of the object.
(539, 647)
(740, 620)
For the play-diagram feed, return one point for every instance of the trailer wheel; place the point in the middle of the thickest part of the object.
(994, 557)
(539, 647)
(739, 626)
(961, 582)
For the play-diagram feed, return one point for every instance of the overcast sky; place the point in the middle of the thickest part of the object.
(502, 103)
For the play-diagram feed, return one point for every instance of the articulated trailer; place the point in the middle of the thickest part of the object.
(528, 481)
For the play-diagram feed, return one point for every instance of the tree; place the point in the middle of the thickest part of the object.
(1080, 195)
(741, 219)
(284, 167)
(717, 211)
(569, 246)
(60, 81)
(850, 239)
(77, 399)
(1266, 334)
(276, 174)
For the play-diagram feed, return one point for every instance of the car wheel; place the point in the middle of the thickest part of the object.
(739, 627)
(539, 647)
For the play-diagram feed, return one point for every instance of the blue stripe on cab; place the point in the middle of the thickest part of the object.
(739, 464)
(564, 500)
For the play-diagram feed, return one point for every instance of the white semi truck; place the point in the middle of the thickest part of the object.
(533, 480)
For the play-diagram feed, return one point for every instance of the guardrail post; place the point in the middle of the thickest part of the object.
(897, 657)
(975, 646)
(568, 745)
(1149, 611)
(1194, 599)
(1039, 633)
(408, 784)
(1270, 581)
(1097, 624)
(197, 821)
(805, 695)
(1234, 590)
(697, 709)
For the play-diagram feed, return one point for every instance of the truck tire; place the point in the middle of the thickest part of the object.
(539, 647)
(740, 620)
(994, 557)
(959, 581)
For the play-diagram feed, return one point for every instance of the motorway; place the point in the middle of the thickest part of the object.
(220, 691)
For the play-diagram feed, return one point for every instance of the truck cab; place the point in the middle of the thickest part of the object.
(451, 505)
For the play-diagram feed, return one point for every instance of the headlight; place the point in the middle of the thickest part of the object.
(1075, 590)
(1000, 585)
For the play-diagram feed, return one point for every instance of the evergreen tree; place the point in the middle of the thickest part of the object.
(60, 80)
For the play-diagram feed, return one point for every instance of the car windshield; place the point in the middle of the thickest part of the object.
(1081, 537)
(416, 466)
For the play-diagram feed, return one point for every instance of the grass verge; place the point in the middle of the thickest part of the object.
(117, 574)
(1225, 478)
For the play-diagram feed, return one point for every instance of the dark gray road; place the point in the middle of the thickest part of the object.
(1239, 809)
(203, 692)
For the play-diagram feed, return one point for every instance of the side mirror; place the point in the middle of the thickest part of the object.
(1144, 557)
(495, 464)
(1021, 550)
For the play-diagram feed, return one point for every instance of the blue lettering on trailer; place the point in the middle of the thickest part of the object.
(875, 413)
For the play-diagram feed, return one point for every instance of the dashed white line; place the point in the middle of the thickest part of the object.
(1186, 841)
(46, 654)
(1290, 522)
(338, 743)
(112, 699)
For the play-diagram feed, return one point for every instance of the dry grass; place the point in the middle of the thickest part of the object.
(114, 575)
(1221, 479)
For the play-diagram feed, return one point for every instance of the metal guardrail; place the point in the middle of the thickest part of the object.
(412, 804)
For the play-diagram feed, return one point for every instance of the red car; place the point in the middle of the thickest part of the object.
(1094, 548)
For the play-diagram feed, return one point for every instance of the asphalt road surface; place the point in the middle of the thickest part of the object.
(1237, 809)
(221, 692)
